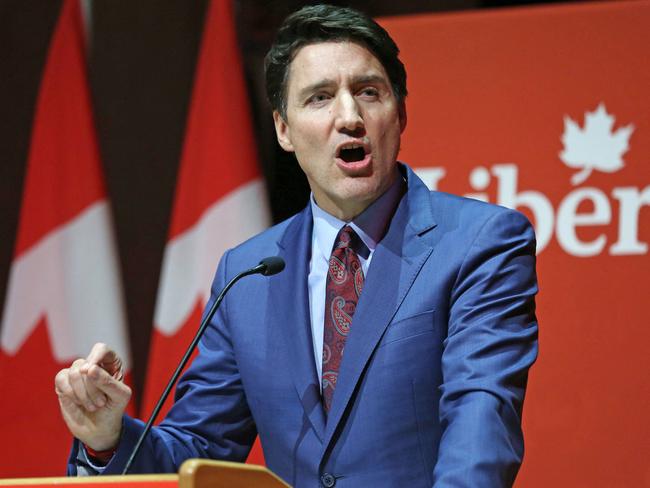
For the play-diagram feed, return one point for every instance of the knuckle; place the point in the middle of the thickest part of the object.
(106, 380)
(76, 364)
(125, 394)
(60, 384)
(61, 376)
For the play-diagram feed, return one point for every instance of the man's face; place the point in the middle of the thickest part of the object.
(344, 124)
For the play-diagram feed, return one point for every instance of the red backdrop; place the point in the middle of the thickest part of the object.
(546, 109)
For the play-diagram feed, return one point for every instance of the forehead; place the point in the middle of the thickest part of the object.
(332, 61)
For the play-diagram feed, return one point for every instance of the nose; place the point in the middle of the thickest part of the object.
(348, 117)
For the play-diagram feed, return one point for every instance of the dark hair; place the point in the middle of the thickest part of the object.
(328, 23)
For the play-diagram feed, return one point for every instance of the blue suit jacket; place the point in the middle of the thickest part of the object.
(431, 386)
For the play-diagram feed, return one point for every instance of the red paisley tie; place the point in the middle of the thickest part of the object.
(344, 284)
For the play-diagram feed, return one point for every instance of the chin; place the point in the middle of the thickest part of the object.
(363, 194)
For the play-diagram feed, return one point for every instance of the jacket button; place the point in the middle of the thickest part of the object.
(328, 480)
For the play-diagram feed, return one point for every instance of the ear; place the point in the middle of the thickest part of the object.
(402, 116)
(282, 132)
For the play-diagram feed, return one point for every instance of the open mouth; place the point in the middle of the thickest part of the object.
(352, 154)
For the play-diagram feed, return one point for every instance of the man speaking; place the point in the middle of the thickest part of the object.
(394, 348)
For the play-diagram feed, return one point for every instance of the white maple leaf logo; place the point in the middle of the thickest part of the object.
(595, 146)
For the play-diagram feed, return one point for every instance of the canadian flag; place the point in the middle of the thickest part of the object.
(220, 199)
(64, 290)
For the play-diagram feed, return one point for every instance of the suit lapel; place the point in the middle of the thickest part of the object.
(396, 263)
(288, 291)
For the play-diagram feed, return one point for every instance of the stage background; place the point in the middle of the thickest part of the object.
(505, 104)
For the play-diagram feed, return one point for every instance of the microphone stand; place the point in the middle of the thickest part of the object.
(266, 267)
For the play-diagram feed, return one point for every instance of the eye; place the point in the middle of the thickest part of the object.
(318, 98)
(369, 92)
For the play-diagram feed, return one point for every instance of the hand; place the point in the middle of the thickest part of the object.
(93, 397)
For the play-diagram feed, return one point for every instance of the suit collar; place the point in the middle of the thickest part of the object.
(420, 214)
(289, 294)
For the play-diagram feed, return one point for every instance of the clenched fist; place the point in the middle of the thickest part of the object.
(93, 397)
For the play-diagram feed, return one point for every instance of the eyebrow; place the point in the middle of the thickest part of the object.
(370, 79)
(360, 80)
(314, 87)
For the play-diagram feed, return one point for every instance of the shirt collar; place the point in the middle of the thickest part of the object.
(370, 225)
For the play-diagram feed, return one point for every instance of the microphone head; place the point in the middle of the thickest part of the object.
(271, 265)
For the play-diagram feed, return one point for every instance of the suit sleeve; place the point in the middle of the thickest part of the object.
(210, 417)
(491, 343)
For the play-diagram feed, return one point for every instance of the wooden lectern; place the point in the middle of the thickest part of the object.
(194, 473)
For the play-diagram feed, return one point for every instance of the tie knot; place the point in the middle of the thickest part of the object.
(346, 238)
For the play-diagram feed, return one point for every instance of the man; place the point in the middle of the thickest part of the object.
(394, 348)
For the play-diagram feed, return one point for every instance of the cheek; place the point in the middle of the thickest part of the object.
(309, 138)
(384, 122)
(389, 140)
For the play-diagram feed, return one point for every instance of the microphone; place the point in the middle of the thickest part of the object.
(268, 266)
